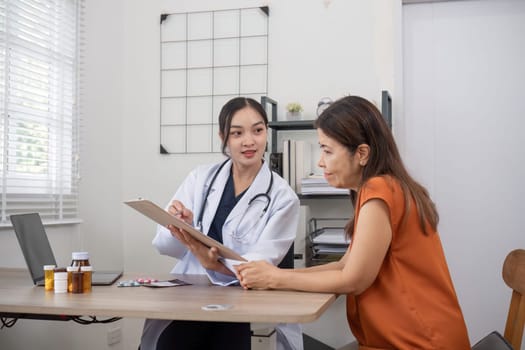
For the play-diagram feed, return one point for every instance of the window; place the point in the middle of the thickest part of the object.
(39, 109)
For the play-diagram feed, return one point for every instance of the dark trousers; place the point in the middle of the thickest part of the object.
(183, 335)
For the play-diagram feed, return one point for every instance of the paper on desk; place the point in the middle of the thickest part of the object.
(221, 279)
(171, 283)
(230, 263)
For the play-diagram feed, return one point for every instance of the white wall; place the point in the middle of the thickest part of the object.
(317, 48)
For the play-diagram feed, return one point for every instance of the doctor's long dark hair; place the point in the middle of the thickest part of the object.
(353, 121)
(229, 109)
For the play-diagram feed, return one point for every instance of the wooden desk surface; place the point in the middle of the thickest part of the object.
(18, 295)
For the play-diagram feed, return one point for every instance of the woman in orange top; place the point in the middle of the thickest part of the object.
(399, 291)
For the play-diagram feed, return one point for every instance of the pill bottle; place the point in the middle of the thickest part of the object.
(87, 271)
(49, 272)
(80, 259)
(70, 270)
(77, 282)
(60, 276)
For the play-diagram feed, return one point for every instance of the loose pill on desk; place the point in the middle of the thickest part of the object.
(129, 283)
(145, 280)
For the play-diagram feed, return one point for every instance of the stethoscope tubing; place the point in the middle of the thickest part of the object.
(266, 194)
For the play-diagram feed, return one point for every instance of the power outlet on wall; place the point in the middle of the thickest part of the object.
(114, 335)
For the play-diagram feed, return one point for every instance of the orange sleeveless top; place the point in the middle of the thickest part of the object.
(412, 303)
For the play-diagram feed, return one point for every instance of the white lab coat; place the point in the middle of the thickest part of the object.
(254, 237)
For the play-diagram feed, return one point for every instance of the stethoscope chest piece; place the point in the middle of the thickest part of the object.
(265, 196)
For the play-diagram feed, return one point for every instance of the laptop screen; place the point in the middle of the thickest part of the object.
(35, 245)
(37, 251)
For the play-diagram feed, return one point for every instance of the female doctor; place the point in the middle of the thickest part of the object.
(241, 203)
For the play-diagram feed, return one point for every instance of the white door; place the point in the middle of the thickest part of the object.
(464, 120)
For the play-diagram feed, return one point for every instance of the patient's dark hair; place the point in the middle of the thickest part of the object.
(353, 121)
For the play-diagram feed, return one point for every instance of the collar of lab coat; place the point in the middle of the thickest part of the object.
(259, 185)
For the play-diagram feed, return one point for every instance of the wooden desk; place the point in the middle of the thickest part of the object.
(18, 295)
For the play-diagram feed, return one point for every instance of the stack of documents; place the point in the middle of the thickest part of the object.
(330, 235)
(316, 184)
(328, 244)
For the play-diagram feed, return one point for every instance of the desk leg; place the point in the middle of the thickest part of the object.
(264, 337)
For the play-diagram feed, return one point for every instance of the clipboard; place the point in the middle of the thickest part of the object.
(162, 217)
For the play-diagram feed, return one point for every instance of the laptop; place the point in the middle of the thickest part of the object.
(37, 251)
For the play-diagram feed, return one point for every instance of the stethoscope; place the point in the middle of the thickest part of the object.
(265, 196)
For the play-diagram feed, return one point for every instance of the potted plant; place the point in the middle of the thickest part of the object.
(294, 110)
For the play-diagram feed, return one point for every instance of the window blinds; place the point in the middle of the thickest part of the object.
(39, 109)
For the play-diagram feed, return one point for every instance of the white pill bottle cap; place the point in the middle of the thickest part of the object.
(80, 255)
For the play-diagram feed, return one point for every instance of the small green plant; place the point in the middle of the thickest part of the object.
(294, 107)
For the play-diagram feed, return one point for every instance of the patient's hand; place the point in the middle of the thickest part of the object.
(257, 274)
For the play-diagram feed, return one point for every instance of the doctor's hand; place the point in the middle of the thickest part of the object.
(257, 274)
(208, 257)
(178, 210)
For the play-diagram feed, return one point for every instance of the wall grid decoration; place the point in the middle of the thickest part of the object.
(207, 58)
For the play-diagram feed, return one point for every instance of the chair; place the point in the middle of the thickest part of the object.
(493, 341)
(514, 276)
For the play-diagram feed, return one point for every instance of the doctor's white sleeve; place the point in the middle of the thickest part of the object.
(280, 230)
(164, 241)
(274, 240)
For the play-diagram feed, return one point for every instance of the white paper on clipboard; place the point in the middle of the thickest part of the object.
(162, 217)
